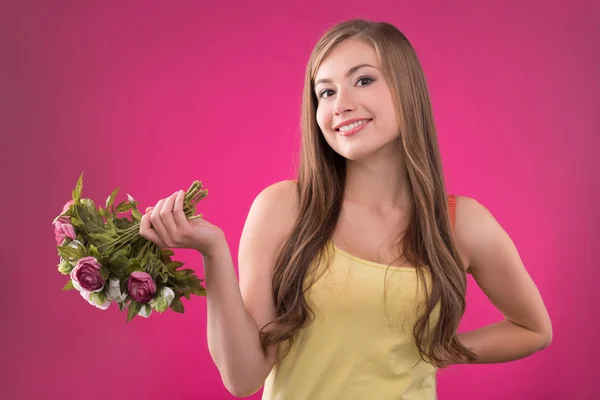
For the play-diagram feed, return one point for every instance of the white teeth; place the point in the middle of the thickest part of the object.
(353, 125)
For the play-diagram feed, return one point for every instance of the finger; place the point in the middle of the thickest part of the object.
(148, 209)
(157, 222)
(166, 216)
(148, 233)
(180, 218)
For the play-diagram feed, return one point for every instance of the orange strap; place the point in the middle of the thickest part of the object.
(452, 209)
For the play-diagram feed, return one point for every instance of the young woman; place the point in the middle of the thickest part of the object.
(352, 279)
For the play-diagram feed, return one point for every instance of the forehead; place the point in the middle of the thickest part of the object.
(344, 56)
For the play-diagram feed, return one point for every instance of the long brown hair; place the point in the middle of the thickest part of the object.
(426, 243)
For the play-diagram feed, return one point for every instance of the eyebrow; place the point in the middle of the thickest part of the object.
(350, 72)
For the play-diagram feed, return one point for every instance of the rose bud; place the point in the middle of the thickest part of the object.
(63, 229)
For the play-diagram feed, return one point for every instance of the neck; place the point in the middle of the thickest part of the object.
(379, 185)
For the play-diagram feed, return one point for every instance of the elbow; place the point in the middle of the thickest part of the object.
(234, 390)
(236, 393)
(545, 338)
(237, 390)
(240, 393)
(548, 340)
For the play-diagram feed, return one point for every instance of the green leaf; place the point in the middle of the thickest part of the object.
(89, 214)
(124, 223)
(91, 224)
(119, 265)
(200, 291)
(93, 251)
(98, 297)
(121, 253)
(154, 266)
(134, 265)
(123, 207)
(121, 306)
(78, 189)
(123, 285)
(182, 273)
(104, 272)
(76, 221)
(70, 253)
(101, 238)
(137, 216)
(133, 310)
(65, 267)
(104, 213)
(111, 199)
(161, 304)
(173, 265)
(177, 305)
(167, 252)
(68, 286)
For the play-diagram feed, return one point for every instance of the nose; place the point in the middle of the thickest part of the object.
(343, 103)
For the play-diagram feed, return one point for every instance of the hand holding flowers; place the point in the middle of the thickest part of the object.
(167, 226)
(108, 260)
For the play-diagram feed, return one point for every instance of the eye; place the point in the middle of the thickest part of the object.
(323, 93)
(366, 79)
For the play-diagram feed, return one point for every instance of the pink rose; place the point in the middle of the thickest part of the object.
(67, 205)
(141, 287)
(86, 275)
(63, 227)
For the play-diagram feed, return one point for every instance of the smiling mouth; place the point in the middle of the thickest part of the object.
(349, 127)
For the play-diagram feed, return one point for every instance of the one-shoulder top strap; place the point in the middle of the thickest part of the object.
(452, 209)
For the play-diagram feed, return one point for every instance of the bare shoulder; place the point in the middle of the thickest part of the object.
(474, 225)
(280, 198)
(270, 219)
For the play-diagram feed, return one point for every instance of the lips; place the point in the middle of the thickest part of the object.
(349, 122)
(353, 128)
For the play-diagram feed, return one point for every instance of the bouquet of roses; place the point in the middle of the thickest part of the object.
(108, 261)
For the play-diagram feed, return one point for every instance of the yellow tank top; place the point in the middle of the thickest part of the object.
(357, 347)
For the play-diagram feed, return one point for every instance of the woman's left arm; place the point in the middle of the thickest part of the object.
(496, 266)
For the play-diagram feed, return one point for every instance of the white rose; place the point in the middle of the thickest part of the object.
(88, 297)
(168, 295)
(114, 291)
(162, 302)
(145, 311)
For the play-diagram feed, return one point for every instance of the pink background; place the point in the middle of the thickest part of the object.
(150, 97)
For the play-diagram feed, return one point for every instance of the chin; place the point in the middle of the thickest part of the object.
(354, 155)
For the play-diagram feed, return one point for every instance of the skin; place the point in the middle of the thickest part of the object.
(166, 225)
(377, 190)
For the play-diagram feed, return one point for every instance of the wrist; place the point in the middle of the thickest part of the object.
(216, 249)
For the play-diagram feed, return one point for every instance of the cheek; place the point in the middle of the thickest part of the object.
(388, 111)
(323, 118)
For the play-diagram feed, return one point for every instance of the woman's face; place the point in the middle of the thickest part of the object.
(355, 108)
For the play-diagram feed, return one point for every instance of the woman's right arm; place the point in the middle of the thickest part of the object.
(237, 311)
